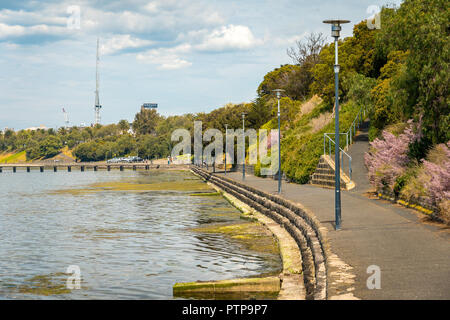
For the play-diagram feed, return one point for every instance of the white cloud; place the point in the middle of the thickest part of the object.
(49, 16)
(229, 37)
(151, 7)
(226, 38)
(7, 31)
(284, 40)
(160, 19)
(121, 42)
(166, 58)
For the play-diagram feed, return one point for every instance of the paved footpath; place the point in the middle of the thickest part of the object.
(414, 256)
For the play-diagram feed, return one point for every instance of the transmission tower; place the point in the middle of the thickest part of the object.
(97, 106)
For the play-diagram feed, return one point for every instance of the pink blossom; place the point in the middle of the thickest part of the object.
(438, 186)
(389, 157)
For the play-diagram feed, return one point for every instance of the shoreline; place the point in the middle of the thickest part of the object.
(291, 276)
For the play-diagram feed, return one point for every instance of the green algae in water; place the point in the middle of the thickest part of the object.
(252, 235)
(205, 194)
(46, 285)
(139, 187)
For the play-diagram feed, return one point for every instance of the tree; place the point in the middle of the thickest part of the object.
(50, 147)
(145, 121)
(307, 51)
(279, 78)
(260, 112)
(420, 27)
(124, 126)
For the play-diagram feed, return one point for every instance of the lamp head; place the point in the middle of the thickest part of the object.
(278, 92)
(336, 26)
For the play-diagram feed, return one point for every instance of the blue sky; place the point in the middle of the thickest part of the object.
(186, 55)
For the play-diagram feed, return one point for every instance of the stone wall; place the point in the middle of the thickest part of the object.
(299, 222)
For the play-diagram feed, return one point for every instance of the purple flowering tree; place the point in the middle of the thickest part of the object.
(388, 157)
(438, 184)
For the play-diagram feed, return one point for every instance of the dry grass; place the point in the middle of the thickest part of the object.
(321, 121)
(444, 207)
(309, 106)
(438, 155)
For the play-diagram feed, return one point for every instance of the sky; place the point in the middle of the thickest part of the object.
(186, 55)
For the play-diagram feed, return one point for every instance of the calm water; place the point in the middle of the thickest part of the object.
(127, 244)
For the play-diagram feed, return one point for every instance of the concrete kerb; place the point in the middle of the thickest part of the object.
(307, 257)
(299, 210)
(292, 282)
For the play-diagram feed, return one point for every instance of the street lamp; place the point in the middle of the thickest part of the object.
(226, 147)
(278, 91)
(335, 32)
(243, 145)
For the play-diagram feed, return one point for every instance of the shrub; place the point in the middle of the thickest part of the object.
(438, 186)
(432, 180)
(388, 158)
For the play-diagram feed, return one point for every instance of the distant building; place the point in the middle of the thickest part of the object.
(41, 127)
(149, 106)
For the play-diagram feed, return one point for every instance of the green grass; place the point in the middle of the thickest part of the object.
(301, 148)
(16, 157)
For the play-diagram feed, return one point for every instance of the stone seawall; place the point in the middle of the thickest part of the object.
(297, 221)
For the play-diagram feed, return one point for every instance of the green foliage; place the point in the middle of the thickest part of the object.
(259, 112)
(356, 55)
(389, 100)
(124, 125)
(46, 148)
(277, 79)
(359, 87)
(146, 121)
(301, 147)
(420, 27)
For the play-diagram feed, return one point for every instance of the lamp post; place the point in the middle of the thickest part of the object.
(243, 145)
(278, 91)
(226, 147)
(335, 32)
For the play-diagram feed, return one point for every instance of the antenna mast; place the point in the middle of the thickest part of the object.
(97, 100)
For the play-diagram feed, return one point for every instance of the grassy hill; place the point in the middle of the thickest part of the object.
(13, 157)
(302, 137)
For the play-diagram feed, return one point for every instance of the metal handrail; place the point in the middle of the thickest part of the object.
(360, 116)
(342, 153)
